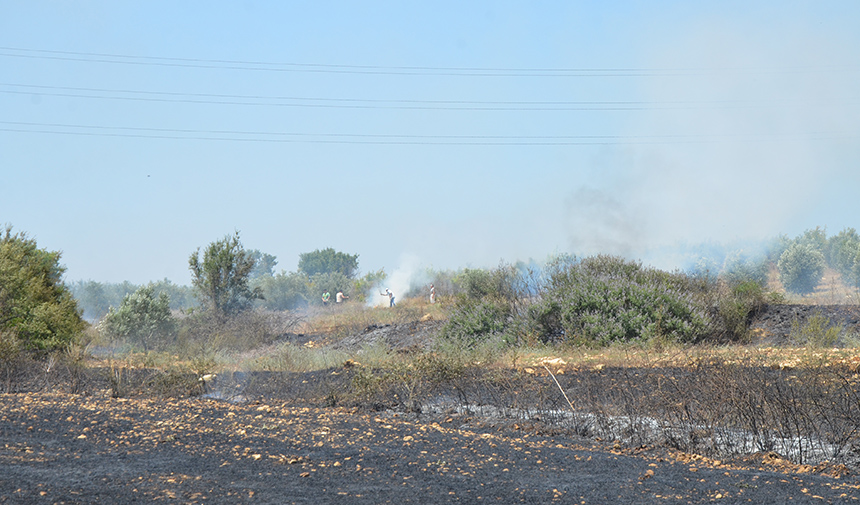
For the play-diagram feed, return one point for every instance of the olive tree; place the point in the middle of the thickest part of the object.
(142, 319)
(221, 276)
(801, 267)
(843, 254)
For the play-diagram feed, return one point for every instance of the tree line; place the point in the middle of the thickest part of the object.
(621, 299)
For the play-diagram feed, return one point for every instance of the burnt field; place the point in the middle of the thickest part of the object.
(59, 448)
(763, 423)
(323, 437)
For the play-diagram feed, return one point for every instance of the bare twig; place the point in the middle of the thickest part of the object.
(559, 388)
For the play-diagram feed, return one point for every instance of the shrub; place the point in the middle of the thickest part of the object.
(817, 331)
(487, 306)
(142, 319)
(801, 267)
(206, 333)
(221, 276)
(35, 304)
(367, 284)
(330, 282)
(607, 299)
(284, 291)
(501, 282)
(735, 308)
(473, 321)
(816, 238)
(739, 269)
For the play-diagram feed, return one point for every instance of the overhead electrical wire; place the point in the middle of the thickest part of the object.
(347, 103)
(100, 93)
(126, 59)
(395, 104)
(396, 139)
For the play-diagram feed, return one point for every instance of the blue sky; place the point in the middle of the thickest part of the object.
(436, 134)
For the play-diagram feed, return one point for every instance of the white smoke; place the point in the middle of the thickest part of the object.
(408, 272)
(753, 142)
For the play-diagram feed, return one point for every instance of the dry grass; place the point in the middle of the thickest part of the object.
(633, 356)
(339, 321)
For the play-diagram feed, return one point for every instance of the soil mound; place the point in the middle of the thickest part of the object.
(773, 324)
(414, 335)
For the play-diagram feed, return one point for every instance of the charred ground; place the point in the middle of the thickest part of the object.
(416, 435)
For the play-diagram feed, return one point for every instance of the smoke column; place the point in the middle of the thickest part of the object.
(757, 139)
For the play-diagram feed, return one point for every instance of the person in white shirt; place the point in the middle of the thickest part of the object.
(390, 296)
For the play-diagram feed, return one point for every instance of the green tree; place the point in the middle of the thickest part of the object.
(777, 246)
(331, 282)
(35, 304)
(181, 297)
(817, 238)
(285, 291)
(328, 261)
(843, 252)
(91, 297)
(366, 284)
(142, 319)
(801, 267)
(221, 277)
(740, 268)
(264, 264)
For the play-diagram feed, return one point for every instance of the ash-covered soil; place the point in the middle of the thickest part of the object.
(772, 326)
(63, 448)
(414, 335)
(299, 438)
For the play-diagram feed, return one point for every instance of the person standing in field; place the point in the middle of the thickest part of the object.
(340, 297)
(432, 293)
(325, 298)
(390, 296)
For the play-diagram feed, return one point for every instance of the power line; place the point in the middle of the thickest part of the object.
(324, 68)
(346, 103)
(394, 104)
(398, 139)
(126, 59)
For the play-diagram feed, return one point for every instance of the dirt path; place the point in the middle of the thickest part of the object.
(72, 449)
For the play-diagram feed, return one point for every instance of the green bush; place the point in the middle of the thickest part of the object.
(221, 276)
(817, 331)
(142, 319)
(605, 299)
(801, 267)
(487, 306)
(474, 321)
(739, 269)
(741, 301)
(96, 298)
(330, 282)
(35, 304)
(284, 291)
(816, 238)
